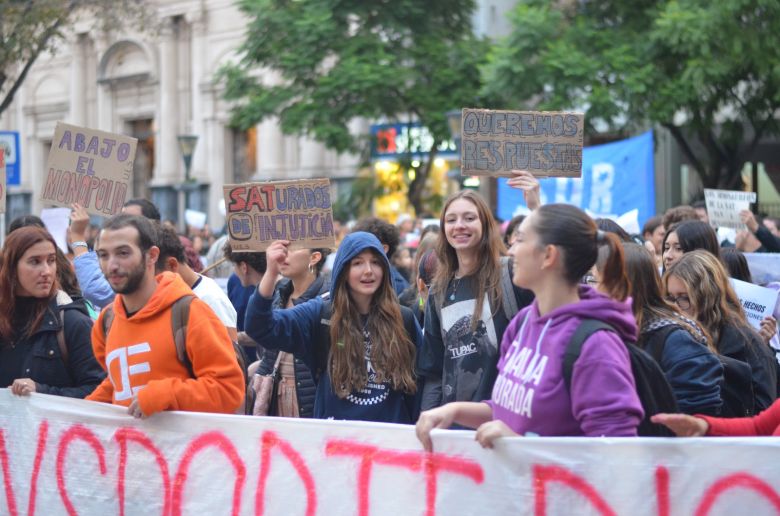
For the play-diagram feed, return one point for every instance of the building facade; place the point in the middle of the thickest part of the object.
(156, 84)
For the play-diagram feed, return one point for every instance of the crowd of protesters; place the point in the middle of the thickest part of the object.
(552, 324)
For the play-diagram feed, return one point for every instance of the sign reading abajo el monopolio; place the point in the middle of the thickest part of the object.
(89, 167)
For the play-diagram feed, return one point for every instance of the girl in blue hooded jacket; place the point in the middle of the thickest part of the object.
(360, 343)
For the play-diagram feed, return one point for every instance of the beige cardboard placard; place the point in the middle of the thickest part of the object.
(3, 186)
(546, 143)
(90, 167)
(723, 207)
(299, 211)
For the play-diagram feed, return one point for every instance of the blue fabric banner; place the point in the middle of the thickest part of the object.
(616, 178)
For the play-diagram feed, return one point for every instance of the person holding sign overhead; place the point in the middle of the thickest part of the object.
(303, 280)
(471, 300)
(360, 343)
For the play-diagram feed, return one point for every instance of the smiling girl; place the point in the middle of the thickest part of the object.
(469, 306)
(360, 344)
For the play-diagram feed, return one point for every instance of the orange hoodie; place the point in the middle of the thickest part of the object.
(140, 356)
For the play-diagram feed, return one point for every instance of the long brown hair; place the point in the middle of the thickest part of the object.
(647, 300)
(712, 298)
(16, 244)
(392, 351)
(491, 248)
(576, 234)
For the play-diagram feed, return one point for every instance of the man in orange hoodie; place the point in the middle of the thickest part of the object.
(139, 351)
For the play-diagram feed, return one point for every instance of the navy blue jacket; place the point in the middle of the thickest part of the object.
(299, 330)
(75, 377)
(305, 386)
(694, 372)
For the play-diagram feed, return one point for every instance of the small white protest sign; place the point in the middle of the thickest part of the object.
(758, 302)
(56, 221)
(723, 207)
(195, 218)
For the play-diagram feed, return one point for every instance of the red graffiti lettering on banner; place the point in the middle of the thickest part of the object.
(269, 441)
(221, 442)
(369, 455)
(122, 436)
(436, 462)
(432, 463)
(43, 434)
(542, 475)
(71, 434)
(10, 498)
(662, 490)
(744, 480)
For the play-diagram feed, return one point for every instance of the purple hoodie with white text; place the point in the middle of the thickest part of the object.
(530, 393)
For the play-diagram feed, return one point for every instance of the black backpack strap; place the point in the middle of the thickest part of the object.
(61, 338)
(180, 316)
(586, 328)
(656, 341)
(108, 320)
(508, 300)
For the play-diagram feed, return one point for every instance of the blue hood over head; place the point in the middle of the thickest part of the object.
(352, 245)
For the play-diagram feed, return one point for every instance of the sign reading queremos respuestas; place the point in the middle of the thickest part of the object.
(547, 144)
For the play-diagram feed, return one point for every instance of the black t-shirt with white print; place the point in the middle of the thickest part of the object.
(463, 358)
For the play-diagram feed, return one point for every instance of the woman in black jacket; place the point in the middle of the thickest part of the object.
(45, 343)
(303, 280)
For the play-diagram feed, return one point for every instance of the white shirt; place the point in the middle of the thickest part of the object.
(210, 292)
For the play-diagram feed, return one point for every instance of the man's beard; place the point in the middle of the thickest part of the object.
(134, 279)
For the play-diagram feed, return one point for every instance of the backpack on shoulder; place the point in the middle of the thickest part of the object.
(736, 386)
(180, 316)
(653, 389)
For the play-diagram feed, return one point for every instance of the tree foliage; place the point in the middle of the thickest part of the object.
(30, 27)
(707, 71)
(319, 64)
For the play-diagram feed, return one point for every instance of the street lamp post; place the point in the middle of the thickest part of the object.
(187, 143)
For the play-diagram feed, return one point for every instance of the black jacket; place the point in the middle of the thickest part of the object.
(305, 386)
(75, 377)
(746, 345)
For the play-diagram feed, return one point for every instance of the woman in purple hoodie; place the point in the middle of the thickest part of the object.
(556, 247)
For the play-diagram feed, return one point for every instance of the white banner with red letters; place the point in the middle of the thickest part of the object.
(64, 456)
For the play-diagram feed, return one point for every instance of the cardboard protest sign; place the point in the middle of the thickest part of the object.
(3, 184)
(545, 143)
(299, 211)
(723, 207)
(90, 167)
(758, 302)
(69, 456)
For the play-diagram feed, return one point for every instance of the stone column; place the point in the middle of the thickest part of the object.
(198, 55)
(78, 82)
(105, 112)
(270, 150)
(168, 162)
